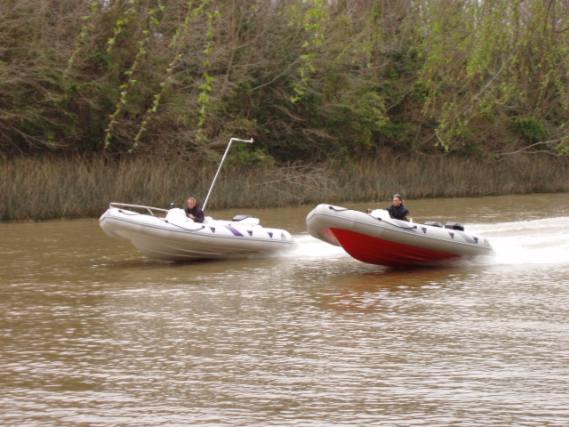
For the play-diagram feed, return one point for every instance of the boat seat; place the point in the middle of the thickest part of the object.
(176, 214)
(454, 226)
(434, 224)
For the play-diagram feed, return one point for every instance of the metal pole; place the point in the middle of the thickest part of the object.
(248, 141)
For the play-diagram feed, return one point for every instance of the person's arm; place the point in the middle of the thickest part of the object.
(199, 217)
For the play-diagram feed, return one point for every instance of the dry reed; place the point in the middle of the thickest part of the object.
(40, 189)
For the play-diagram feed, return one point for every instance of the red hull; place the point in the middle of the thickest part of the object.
(383, 252)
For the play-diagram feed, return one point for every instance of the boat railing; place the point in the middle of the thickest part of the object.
(149, 209)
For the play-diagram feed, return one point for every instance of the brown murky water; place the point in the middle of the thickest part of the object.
(92, 333)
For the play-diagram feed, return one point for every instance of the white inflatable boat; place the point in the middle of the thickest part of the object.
(171, 235)
(377, 238)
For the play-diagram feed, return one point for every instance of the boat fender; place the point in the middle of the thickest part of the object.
(270, 234)
(212, 229)
(424, 230)
(454, 226)
(250, 232)
(434, 224)
(451, 235)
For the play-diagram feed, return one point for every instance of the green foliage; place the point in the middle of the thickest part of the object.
(129, 75)
(87, 27)
(246, 156)
(175, 45)
(313, 15)
(529, 128)
(206, 86)
(309, 79)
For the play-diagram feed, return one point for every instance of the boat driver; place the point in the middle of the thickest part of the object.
(193, 210)
(397, 209)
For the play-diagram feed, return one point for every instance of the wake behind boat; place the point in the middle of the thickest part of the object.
(377, 238)
(171, 235)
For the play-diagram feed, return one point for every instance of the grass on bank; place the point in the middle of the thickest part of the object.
(77, 187)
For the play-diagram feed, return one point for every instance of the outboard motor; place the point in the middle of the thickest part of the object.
(454, 226)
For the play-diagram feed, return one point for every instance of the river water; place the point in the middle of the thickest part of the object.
(92, 333)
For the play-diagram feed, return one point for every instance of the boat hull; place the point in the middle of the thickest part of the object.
(177, 238)
(377, 239)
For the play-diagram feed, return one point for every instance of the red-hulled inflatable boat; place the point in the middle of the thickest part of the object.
(377, 238)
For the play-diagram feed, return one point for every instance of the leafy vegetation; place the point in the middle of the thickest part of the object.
(309, 79)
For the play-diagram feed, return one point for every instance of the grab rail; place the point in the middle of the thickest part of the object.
(149, 209)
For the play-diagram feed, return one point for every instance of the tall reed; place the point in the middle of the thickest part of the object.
(80, 187)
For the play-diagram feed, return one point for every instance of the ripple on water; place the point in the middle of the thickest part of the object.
(314, 338)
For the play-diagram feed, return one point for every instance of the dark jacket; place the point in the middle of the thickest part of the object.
(196, 212)
(400, 212)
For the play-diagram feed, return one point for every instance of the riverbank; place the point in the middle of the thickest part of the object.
(38, 189)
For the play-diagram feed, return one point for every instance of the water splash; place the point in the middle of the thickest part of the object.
(529, 242)
(309, 247)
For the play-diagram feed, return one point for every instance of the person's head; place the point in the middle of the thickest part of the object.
(191, 202)
(397, 200)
